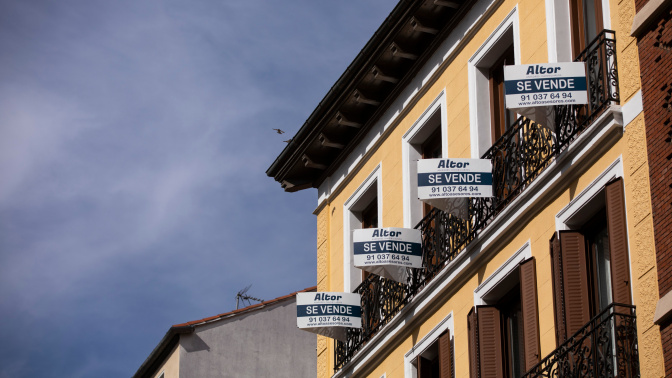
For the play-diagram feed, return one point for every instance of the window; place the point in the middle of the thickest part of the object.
(369, 218)
(586, 23)
(433, 355)
(361, 210)
(431, 149)
(591, 262)
(501, 117)
(424, 140)
(504, 332)
(488, 116)
(437, 360)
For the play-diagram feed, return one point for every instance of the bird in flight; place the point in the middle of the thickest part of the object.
(279, 131)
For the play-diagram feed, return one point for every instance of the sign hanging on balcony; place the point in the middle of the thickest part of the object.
(387, 252)
(329, 313)
(448, 183)
(548, 84)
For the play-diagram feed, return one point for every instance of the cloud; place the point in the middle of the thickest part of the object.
(134, 137)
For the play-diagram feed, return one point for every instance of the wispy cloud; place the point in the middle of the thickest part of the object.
(134, 137)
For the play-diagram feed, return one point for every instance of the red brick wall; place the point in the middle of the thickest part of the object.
(666, 338)
(655, 55)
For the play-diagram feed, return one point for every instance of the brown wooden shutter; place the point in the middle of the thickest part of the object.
(472, 328)
(618, 242)
(445, 356)
(575, 281)
(529, 306)
(424, 367)
(558, 302)
(490, 342)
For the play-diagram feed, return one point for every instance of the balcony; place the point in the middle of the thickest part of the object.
(605, 347)
(518, 158)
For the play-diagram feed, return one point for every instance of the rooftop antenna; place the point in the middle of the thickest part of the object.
(242, 295)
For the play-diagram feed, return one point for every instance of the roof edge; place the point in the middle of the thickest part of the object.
(254, 307)
(346, 77)
(161, 351)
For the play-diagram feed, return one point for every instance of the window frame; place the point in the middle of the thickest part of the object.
(480, 119)
(432, 337)
(371, 189)
(411, 152)
(559, 25)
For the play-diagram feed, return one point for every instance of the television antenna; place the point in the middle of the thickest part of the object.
(242, 295)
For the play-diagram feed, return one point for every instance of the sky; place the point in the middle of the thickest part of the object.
(134, 140)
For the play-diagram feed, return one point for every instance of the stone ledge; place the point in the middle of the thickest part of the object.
(646, 14)
(663, 309)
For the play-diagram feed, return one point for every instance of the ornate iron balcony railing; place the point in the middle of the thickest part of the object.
(518, 157)
(605, 347)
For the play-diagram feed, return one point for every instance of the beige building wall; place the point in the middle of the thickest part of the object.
(171, 366)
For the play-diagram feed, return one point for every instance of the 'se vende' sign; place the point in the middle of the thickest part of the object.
(321, 312)
(387, 246)
(532, 85)
(451, 178)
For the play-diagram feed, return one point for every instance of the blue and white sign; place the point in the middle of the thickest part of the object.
(328, 313)
(387, 252)
(454, 178)
(534, 85)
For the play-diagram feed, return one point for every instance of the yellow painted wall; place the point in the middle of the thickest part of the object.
(171, 366)
(453, 78)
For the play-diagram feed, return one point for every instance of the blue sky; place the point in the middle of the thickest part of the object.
(134, 140)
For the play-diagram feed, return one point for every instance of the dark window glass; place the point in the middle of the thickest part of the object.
(501, 118)
(586, 19)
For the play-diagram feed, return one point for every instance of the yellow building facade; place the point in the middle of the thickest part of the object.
(540, 266)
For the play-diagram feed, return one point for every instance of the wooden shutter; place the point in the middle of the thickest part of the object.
(558, 302)
(445, 356)
(618, 242)
(472, 328)
(575, 281)
(490, 342)
(424, 367)
(528, 303)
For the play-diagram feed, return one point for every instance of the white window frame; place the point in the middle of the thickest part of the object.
(479, 89)
(558, 27)
(352, 276)
(572, 213)
(489, 284)
(447, 323)
(411, 152)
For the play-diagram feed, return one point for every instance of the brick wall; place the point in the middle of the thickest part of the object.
(655, 54)
(666, 338)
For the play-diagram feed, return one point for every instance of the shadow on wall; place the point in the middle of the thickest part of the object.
(193, 343)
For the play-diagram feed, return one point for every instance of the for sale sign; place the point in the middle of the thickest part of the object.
(387, 252)
(328, 313)
(535, 85)
(454, 178)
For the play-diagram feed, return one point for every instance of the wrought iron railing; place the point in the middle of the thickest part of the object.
(605, 347)
(518, 157)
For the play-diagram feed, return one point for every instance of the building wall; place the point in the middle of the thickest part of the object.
(171, 366)
(450, 76)
(655, 56)
(263, 343)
